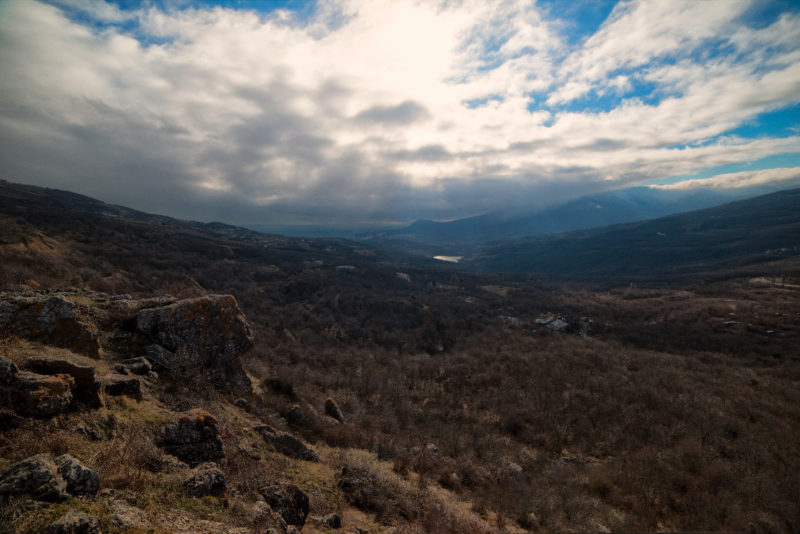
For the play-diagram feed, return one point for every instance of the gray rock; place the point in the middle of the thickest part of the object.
(211, 332)
(53, 320)
(287, 444)
(288, 501)
(74, 522)
(80, 480)
(86, 388)
(36, 476)
(206, 479)
(193, 438)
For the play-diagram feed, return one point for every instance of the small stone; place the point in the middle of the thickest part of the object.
(295, 416)
(120, 385)
(332, 409)
(138, 366)
(288, 501)
(330, 521)
(206, 479)
(287, 444)
(80, 480)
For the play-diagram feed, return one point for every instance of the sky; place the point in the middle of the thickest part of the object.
(351, 112)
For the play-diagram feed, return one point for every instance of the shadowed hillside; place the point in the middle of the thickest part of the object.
(739, 237)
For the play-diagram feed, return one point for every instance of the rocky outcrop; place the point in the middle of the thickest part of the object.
(86, 388)
(288, 501)
(287, 444)
(206, 479)
(209, 333)
(193, 438)
(52, 320)
(74, 522)
(48, 479)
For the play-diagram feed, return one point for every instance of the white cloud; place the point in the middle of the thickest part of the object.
(362, 109)
(738, 180)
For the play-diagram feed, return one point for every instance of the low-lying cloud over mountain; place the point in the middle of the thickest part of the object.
(372, 111)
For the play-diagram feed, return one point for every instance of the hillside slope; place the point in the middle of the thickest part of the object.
(715, 240)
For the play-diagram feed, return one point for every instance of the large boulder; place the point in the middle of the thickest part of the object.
(193, 438)
(210, 333)
(52, 320)
(288, 501)
(86, 388)
(287, 444)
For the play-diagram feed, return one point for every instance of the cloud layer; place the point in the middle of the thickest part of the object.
(373, 111)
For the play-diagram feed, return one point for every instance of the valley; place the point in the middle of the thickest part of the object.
(582, 382)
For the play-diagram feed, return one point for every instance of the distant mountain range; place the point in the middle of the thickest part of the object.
(725, 239)
(755, 237)
(602, 209)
